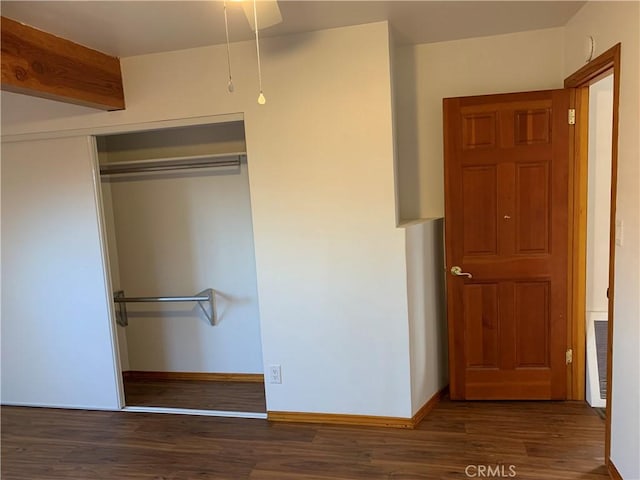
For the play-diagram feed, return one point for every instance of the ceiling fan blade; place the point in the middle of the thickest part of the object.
(268, 13)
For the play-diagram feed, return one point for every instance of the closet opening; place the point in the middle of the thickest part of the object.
(597, 239)
(179, 236)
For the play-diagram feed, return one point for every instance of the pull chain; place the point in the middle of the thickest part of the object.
(261, 99)
(226, 28)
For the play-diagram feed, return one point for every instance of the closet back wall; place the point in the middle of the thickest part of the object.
(178, 234)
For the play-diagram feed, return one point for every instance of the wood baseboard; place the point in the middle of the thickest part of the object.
(340, 419)
(359, 420)
(198, 376)
(427, 407)
(613, 471)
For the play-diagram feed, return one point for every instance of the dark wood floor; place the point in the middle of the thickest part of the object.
(202, 395)
(541, 440)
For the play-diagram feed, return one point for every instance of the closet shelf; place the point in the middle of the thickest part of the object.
(206, 301)
(173, 163)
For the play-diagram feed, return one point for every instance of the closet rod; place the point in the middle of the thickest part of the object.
(160, 299)
(206, 301)
(174, 163)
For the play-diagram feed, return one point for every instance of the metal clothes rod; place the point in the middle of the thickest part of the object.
(206, 301)
(173, 163)
(160, 299)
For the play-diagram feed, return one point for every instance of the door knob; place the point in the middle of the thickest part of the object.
(457, 271)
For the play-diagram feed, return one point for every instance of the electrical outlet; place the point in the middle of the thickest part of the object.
(275, 374)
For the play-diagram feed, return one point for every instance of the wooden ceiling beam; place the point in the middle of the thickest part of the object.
(39, 64)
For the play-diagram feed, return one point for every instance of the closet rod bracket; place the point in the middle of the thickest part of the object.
(121, 312)
(209, 307)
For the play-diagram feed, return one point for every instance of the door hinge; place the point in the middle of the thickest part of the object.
(572, 116)
(569, 356)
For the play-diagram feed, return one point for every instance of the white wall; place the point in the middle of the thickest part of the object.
(178, 235)
(427, 309)
(610, 23)
(427, 73)
(330, 261)
(599, 193)
(56, 326)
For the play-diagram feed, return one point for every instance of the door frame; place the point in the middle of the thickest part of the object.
(605, 64)
(92, 134)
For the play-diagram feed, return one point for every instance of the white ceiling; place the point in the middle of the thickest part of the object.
(125, 28)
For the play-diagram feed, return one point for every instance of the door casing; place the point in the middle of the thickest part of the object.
(602, 66)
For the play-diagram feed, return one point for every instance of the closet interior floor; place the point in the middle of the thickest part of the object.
(195, 394)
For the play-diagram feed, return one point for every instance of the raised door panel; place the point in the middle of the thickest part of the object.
(479, 196)
(481, 325)
(532, 126)
(532, 212)
(531, 315)
(479, 130)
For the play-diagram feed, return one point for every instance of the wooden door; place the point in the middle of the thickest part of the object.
(506, 201)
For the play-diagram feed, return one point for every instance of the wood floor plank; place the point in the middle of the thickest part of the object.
(202, 395)
(542, 440)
